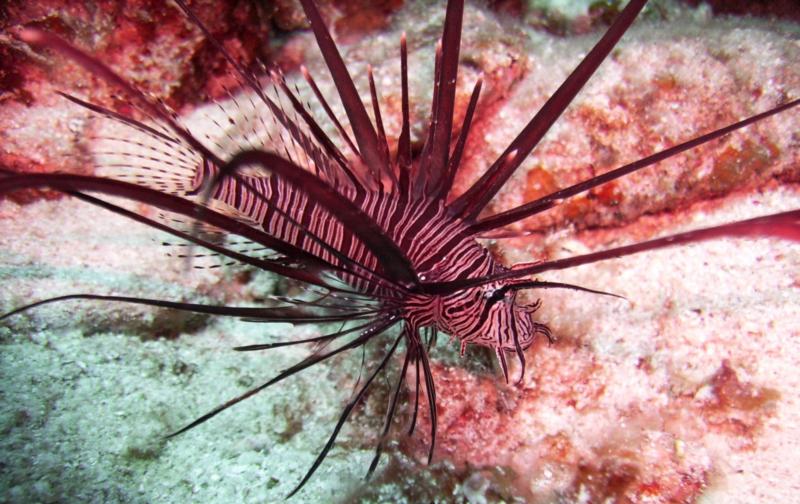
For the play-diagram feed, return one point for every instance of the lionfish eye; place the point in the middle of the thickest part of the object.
(494, 295)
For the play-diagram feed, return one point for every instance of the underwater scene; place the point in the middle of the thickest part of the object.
(376, 251)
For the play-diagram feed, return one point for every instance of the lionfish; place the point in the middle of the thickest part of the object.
(379, 238)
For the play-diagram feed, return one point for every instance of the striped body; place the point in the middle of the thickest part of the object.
(437, 245)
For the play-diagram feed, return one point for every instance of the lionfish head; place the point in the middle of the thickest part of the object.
(512, 327)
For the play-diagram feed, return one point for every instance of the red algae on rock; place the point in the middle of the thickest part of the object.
(600, 449)
(626, 455)
(665, 83)
(151, 45)
(734, 408)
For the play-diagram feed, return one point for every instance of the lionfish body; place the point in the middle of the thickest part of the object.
(439, 247)
(378, 238)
